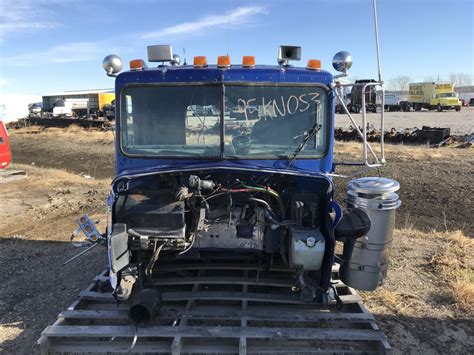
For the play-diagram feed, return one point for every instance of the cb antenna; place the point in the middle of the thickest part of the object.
(377, 39)
(228, 27)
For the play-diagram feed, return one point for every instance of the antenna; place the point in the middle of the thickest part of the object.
(377, 39)
(228, 27)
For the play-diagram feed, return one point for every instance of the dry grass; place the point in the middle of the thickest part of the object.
(404, 152)
(463, 291)
(73, 132)
(430, 273)
(454, 263)
(384, 297)
(10, 331)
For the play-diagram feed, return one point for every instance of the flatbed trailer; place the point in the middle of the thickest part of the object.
(218, 307)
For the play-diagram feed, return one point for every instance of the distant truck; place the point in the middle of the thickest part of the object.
(433, 96)
(355, 96)
(393, 102)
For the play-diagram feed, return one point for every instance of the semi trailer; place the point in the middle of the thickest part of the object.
(77, 104)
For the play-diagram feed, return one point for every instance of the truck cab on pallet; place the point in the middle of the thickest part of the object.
(235, 161)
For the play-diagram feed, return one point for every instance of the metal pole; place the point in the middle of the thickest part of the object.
(364, 126)
(81, 253)
(382, 118)
(377, 39)
(356, 127)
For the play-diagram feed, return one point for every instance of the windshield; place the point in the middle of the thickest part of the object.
(447, 94)
(259, 122)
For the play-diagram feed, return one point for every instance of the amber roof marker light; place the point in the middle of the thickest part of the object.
(223, 61)
(200, 61)
(314, 64)
(137, 64)
(248, 61)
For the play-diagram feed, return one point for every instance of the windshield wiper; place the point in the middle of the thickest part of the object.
(307, 136)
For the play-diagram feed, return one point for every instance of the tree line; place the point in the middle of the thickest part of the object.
(400, 83)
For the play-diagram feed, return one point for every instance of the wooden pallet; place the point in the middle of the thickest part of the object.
(218, 308)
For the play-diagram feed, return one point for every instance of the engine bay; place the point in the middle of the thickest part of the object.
(273, 216)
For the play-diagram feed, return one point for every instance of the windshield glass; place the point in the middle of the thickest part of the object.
(171, 121)
(272, 121)
(447, 94)
(260, 122)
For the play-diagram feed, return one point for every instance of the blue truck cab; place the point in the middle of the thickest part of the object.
(228, 117)
(226, 161)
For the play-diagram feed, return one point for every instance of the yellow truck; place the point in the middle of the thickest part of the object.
(433, 96)
(107, 105)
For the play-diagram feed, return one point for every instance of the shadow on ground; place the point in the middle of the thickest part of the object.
(39, 288)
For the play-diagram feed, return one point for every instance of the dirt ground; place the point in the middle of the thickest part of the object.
(459, 122)
(425, 306)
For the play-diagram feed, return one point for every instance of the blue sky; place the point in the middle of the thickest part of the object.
(56, 45)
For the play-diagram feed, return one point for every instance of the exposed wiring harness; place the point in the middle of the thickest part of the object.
(267, 190)
(270, 214)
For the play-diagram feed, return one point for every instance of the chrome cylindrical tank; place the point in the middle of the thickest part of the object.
(365, 260)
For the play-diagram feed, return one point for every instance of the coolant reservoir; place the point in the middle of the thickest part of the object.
(306, 248)
(365, 260)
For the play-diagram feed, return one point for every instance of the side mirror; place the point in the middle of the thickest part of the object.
(112, 64)
(342, 61)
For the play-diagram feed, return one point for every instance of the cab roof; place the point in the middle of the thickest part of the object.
(213, 74)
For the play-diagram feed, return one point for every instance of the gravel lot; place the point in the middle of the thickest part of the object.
(461, 122)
